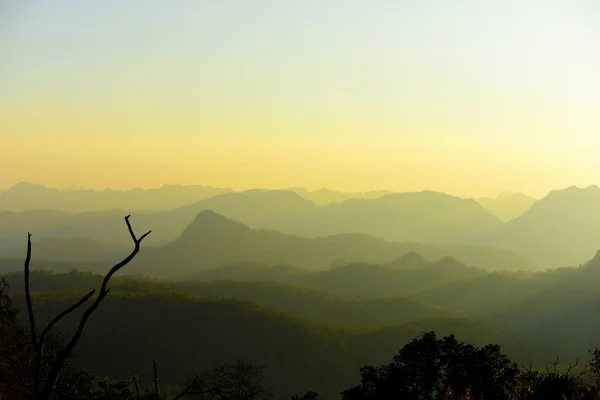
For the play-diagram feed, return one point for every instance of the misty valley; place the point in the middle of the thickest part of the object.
(299, 294)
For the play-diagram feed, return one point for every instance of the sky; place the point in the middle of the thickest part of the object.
(468, 97)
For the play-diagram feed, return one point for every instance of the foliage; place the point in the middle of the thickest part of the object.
(431, 368)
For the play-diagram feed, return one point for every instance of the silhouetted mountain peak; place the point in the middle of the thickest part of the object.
(28, 187)
(567, 203)
(409, 260)
(448, 263)
(574, 192)
(594, 262)
(211, 218)
(210, 224)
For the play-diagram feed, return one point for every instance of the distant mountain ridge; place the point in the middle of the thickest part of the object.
(561, 229)
(251, 206)
(322, 197)
(28, 196)
(428, 217)
(212, 240)
(507, 206)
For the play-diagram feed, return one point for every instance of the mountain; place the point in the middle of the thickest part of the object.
(322, 197)
(354, 279)
(507, 206)
(410, 260)
(107, 226)
(559, 230)
(213, 240)
(102, 226)
(427, 217)
(561, 312)
(320, 307)
(486, 295)
(74, 249)
(370, 280)
(252, 206)
(15, 265)
(27, 196)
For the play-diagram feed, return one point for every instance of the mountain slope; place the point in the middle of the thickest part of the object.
(213, 240)
(507, 206)
(378, 281)
(355, 279)
(428, 217)
(322, 197)
(320, 307)
(566, 310)
(561, 229)
(74, 249)
(107, 226)
(252, 205)
(186, 334)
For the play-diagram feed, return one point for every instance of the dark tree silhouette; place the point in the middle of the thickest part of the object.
(44, 383)
(431, 368)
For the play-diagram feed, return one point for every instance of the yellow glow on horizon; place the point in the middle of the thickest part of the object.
(471, 98)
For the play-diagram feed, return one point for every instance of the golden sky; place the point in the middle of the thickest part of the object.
(467, 97)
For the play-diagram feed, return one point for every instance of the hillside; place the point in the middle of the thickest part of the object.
(355, 279)
(73, 249)
(322, 197)
(485, 295)
(187, 334)
(378, 281)
(562, 229)
(213, 240)
(252, 206)
(15, 265)
(507, 206)
(427, 217)
(320, 307)
(566, 310)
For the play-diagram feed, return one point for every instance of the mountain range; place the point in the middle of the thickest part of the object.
(28, 196)
(507, 206)
(213, 240)
(561, 229)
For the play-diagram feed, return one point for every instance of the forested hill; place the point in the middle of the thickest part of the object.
(186, 334)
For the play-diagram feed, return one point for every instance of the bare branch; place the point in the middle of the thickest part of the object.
(64, 353)
(33, 330)
(584, 371)
(187, 390)
(571, 366)
(155, 381)
(28, 293)
(135, 380)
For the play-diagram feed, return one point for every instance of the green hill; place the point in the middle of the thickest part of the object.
(321, 307)
(186, 334)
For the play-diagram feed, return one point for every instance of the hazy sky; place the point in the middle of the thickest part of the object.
(470, 97)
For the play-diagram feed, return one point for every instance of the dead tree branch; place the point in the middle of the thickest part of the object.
(187, 390)
(65, 352)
